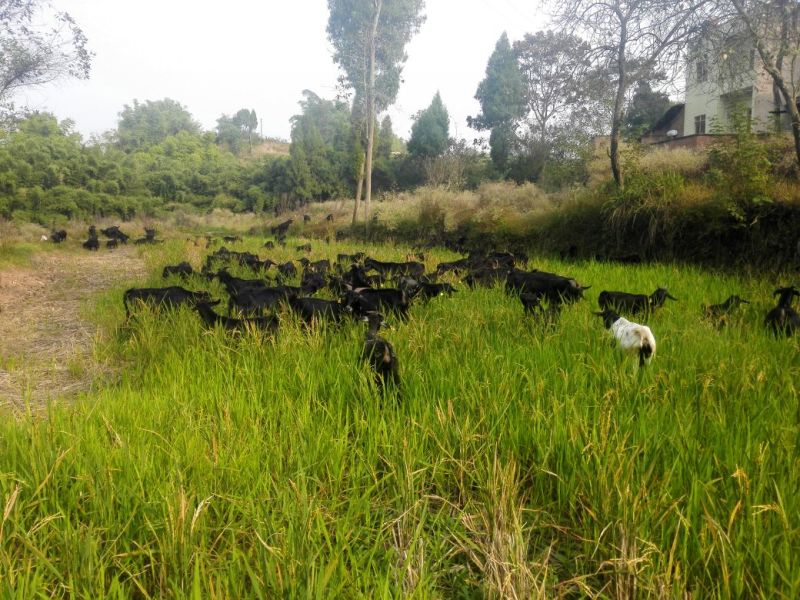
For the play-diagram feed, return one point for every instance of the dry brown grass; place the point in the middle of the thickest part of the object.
(45, 344)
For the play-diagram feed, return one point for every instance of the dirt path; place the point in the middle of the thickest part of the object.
(45, 343)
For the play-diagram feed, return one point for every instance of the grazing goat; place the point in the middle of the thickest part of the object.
(169, 296)
(363, 300)
(631, 337)
(633, 303)
(280, 229)
(411, 268)
(720, 312)
(269, 245)
(532, 305)
(210, 318)
(287, 269)
(329, 217)
(111, 244)
(310, 309)
(555, 288)
(254, 301)
(306, 218)
(183, 270)
(455, 266)
(425, 290)
(304, 248)
(92, 243)
(379, 353)
(783, 319)
(358, 257)
(58, 235)
(114, 233)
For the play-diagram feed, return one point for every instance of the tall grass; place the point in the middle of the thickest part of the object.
(519, 462)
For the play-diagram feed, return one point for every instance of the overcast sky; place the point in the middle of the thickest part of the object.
(218, 57)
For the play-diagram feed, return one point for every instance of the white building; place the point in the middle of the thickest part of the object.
(722, 80)
(722, 83)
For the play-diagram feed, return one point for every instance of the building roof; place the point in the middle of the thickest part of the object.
(672, 112)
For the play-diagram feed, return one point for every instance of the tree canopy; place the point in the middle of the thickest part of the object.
(430, 133)
(31, 54)
(148, 123)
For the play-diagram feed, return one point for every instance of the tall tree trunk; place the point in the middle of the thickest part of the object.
(359, 187)
(371, 113)
(619, 101)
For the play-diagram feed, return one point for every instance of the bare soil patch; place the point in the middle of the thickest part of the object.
(45, 343)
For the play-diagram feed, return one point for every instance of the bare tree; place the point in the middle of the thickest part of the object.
(31, 55)
(630, 39)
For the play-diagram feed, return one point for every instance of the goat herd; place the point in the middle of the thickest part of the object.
(359, 283)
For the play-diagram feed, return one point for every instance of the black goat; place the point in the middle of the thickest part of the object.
(358, 257)
(183, 269)
(287, 269)
(411, 268)
(58, 235)
(310, 309)
(455, 266)
(254, 301)
(555, 288)
(720, 311)
(304, 248)
(211, 318)
(379, 354)
(280, 229)
(365, 300)
(783, 319)
(426, 290)
(114, 233)
(169, 297)
(623, 302)
(91, 244)
(532, 305)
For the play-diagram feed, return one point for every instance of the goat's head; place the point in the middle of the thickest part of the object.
(787, 295)
(609, 317)
(658, 297)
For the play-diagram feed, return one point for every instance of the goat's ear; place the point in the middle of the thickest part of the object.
(585, 287)
(599, 314)
(671, 297)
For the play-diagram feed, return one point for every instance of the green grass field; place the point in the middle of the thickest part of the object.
(520, 462)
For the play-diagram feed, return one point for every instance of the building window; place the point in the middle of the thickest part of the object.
(702, 72)
(699, 124)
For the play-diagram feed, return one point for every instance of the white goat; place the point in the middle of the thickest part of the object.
(631, 337)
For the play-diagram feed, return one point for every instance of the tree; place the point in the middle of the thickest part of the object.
(231, 131)
(630, 39)
(773, 28)
(502, 98)
(554, 66)
(320, 150)
(645, 109)
(369, 39)
(143, 125)
(430, 133)
(31, 55)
